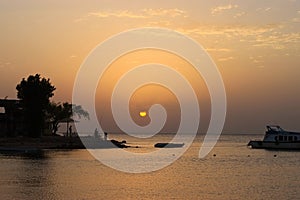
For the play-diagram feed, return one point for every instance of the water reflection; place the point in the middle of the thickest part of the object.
(23, 155)
(236, 172)
(25, 175)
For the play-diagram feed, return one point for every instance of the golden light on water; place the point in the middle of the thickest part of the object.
(143, 113)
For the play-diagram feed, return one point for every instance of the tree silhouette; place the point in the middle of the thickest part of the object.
(35, 93)
(58, 112)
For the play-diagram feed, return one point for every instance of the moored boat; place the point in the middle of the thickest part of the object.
(277, 138)
(168, 145)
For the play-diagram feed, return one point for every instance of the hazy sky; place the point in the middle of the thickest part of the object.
(255, 44)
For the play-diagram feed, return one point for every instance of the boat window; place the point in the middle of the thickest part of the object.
(276, 138)
(295, 138)
(280, 137)
(274, 128)
(285, 138)
(2, 110)
(290, 138)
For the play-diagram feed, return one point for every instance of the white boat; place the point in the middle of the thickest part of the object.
(277, 138)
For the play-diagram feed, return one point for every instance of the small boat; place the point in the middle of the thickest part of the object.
(277, 138)
(119, 144)
(95, 143)
(168, 145)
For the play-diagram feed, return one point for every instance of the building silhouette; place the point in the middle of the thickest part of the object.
(11, 118)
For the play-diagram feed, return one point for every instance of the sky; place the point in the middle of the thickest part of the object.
(255, 45)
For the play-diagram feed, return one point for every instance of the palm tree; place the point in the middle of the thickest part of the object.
(62, 112)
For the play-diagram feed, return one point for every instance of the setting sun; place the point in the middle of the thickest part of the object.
(143, 114)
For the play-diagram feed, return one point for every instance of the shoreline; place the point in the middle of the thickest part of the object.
(44, 142)
(56, 142)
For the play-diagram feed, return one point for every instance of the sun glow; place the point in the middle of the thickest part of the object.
(143, 114)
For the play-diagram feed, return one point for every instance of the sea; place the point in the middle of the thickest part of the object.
(230, 171)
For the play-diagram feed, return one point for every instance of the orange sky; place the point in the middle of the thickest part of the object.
(255, 44)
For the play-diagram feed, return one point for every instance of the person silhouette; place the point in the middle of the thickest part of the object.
(96, 133)
(70, 131)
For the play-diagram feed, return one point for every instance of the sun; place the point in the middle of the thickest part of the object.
(143, 113)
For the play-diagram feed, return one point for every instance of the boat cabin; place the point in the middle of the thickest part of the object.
(285, 138)
(277, 134)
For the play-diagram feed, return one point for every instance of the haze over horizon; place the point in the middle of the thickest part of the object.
(255, 44)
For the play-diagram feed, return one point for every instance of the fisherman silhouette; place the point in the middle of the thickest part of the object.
(70, 131)
(96, 133)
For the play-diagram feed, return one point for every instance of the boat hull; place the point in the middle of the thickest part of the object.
(168, 145)
(274, 145)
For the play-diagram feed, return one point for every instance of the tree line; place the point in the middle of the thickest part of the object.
(35, 93)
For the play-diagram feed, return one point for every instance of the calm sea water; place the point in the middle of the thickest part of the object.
(230, 171)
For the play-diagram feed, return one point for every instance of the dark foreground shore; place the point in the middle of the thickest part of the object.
(25, 144)
(45, 142)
